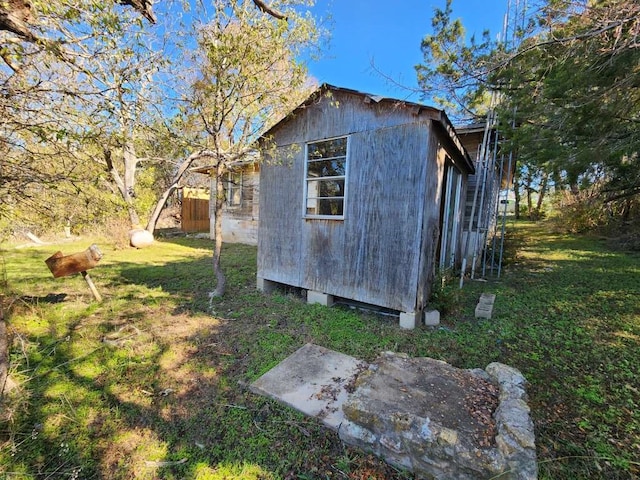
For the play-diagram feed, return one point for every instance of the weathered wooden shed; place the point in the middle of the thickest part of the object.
(361, 198)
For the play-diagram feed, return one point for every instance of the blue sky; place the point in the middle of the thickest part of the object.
(388, 33)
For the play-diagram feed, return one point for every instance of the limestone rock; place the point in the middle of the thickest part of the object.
(140, 238)
(442, 422)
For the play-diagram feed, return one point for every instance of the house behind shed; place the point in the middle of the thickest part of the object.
(361, 198)
(240, 210)
(489, 192)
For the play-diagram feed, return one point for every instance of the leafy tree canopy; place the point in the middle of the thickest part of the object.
(106, 93)
(567, 77)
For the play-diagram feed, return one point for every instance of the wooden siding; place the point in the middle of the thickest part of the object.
(384, 251)
(385, 215)
(342, 114)
(195, 215)
(430, 234)
(373, 255)
(280, 222)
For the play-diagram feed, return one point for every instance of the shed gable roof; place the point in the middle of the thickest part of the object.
(433, 113)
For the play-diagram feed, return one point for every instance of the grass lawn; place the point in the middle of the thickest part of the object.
(151, 383)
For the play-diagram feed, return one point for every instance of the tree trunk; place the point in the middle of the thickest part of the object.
(4, 352)
(516, 192)
(626, 210)
(130, 164)
(543, 191)
(217, 229)
(126, 186)
(575, 190)
(157, 210)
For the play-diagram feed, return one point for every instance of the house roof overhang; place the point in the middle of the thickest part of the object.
(247, 159)
(465, 129)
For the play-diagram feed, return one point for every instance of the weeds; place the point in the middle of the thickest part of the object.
(445, 295)
(151, 384)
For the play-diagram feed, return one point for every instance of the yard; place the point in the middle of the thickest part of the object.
(151, 383)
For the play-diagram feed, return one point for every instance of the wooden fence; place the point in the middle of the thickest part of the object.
(195, 215)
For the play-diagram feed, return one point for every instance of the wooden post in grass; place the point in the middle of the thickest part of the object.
(62, 266)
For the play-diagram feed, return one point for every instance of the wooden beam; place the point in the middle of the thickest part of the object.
(62, 266)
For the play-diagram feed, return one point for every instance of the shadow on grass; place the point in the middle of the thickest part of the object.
(149, 384)
(49, 298)
(191, 280)
(160, 401)
(566, 314)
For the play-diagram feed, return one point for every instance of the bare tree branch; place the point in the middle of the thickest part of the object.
(144, 7)
(14, 16)
(268, 10)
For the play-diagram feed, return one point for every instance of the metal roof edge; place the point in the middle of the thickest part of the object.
(451, 131)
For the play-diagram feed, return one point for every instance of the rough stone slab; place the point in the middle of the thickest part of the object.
(417, 413)
(313, 380)
(440, 421)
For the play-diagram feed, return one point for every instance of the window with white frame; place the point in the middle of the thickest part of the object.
(325, 178)
(234, 189)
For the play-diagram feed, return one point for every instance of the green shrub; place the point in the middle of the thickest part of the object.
(445, 294)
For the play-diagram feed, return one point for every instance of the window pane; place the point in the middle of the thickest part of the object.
(326, 168)
(234, 189)
(325, 206)
(331, 148)
(331, 207)
(312, 206)
(236, 196)
(325, 188)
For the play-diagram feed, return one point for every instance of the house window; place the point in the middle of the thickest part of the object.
(325, 178)
(234, 189)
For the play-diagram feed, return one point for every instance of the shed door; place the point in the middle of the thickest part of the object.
(451, 217)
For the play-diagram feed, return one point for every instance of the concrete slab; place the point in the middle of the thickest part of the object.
(314, 380)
